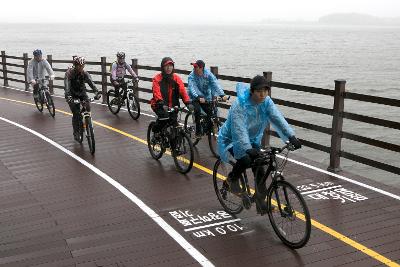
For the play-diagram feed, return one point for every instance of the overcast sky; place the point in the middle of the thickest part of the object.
(187, 10)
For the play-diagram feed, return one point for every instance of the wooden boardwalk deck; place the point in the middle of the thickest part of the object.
(55, 211)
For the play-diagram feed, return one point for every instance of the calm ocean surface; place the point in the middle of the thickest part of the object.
(367, 57)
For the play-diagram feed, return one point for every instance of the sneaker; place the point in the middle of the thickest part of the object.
(233, 183)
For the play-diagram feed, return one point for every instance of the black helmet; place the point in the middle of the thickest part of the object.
(121, 55)
(37, 52)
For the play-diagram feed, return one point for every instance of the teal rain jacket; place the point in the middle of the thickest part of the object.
(205, 86)
(246, 123)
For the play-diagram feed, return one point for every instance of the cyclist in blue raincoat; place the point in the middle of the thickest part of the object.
(203, 87)
(241, 134)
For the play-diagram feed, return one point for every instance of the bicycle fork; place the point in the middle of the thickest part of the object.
(285, 208)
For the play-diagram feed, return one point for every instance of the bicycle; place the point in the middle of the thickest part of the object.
(174, 137)
(115, 102)
(44, 96)
(86, 125)
(210, 130)
(287, 210)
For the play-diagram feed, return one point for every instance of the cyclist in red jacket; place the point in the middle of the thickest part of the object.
(167, 88)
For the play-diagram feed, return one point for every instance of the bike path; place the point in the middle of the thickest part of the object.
(186, 202)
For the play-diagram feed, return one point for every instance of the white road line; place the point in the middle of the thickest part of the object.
(306, 165)
(318, 190)
(210, 225)
(345, 179)
(151, 213)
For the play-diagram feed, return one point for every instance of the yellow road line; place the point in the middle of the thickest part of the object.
(315, 223)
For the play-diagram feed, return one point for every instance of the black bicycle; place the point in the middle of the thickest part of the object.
(44, 96)
(172, 137)
(86, 125)
(287, 210)
(211, 130)
(115, 100)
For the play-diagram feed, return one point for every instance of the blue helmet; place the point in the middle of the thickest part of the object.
(37, 52)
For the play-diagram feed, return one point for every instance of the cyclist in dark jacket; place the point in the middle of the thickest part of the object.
(74, 82)
(167, 88)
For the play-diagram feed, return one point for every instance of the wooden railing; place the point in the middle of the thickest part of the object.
(337, 112)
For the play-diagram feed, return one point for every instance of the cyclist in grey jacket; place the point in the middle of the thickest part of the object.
(118, 71)
(38, 67)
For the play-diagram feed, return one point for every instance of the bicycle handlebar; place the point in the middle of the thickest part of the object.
(277, 150)
(78, 101)
(173, 109)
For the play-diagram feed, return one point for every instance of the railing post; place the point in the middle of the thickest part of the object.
(3, 61)
(136, 70)
(267, 133)
(337, 124)
(25, 56)
(50, 60)
(214, 70)
(104, 79)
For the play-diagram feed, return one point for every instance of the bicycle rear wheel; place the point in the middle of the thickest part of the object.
(230, 202)
(212, 137)
(190, 128)
(290, 218)
(113, 102)
(133, 106)
(154, 143)
(50, 104)
(182, 152)
(90, 135)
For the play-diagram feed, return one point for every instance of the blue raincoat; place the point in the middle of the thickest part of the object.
(205, 86)
(246, 123)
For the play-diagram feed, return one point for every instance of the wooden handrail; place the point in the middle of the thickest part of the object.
(337, 112)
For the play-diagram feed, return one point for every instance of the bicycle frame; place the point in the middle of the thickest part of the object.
(268, 160)
(42, 89)
(174, 125)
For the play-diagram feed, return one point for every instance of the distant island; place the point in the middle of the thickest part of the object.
(349, 19)
(357, 19)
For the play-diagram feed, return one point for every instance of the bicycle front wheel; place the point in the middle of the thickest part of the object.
(133, 106)
(38, 103)
(50, 104)
(90, 135)
(182, 152)
(230, 202)
(212, 137)
(190, 128)
(154, 143)
(289, 215)
(113, 102)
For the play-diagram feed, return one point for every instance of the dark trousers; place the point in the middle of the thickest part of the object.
(75, 109)
(244, 163)
(197, 112)
(164, 118)
(120, 89)
(36, 89)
